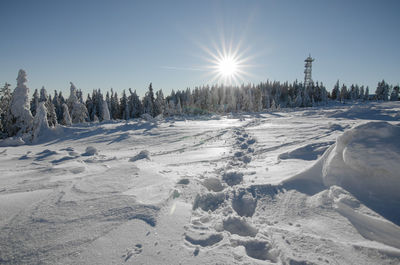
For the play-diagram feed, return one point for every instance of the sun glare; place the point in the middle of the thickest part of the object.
(228, 64)
(227, 67)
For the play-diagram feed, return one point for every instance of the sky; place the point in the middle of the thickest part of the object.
(128, 44)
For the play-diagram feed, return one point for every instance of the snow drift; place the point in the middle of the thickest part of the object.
(365, 162)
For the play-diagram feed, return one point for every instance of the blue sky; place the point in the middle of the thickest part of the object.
(123, 44)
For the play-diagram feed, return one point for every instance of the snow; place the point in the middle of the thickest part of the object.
(40, 124)
(305, 186)
(144, 154)
(12, 141)
(364, 161)
(90, 151)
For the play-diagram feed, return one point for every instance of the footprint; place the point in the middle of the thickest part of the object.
(204, 240)
(233, 178)
(239, 227)
(244, 204)
(257, 249)
(136, 250)
(213, 184)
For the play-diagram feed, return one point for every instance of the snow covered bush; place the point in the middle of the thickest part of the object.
(105, 111)
(40, 123)
(66, 117)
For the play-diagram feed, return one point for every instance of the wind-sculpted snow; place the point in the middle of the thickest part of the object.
(283, 187)
(364, 161)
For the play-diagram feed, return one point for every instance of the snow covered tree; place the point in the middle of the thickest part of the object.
(66, 120)
(343, 93)
(382, 91)
(105, 112)
(335, 91)
(40, 123)
(125, 111)
(51, 112)
(79, 113)
(159, 103)
(21, 119)
(361, 93)
(178, 108)
(299, 100)
(58, 106)
(5, 101)
(148, 101)
(78, 110)
(115, 107)
(307, 101)
(394, 96)
(90, 107)
(366, 95)
(34, 102)
(43, 95)
(135, 104)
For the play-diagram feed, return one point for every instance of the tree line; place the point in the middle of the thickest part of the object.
(20, 115)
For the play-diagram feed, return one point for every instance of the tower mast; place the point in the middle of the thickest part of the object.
(307, 71)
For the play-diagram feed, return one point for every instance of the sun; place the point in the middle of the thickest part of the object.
(227, 67)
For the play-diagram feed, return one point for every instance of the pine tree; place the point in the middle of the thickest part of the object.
(148, 101)
(43, 95)
(115, 107)
(125, 112)
(159, 103)
(5, 101)
(394, 96)
(78, 110)
(366, 96)
(361, 96)
(58, 106)
(343, 93)
(382, 91)
(135, 106)
(336, 91)
(34, 102)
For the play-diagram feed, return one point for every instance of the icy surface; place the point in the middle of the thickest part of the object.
(306, 186)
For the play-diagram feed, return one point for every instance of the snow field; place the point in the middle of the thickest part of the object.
(242, 189)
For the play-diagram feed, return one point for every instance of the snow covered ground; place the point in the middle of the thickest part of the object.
(307, 186)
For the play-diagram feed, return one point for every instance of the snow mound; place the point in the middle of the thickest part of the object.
(12, 141)
(307, 152)
(144, 154)
(364, 113)
(147, 117)
(90, 151)
(365, 162)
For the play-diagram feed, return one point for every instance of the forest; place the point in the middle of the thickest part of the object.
(20, 114)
